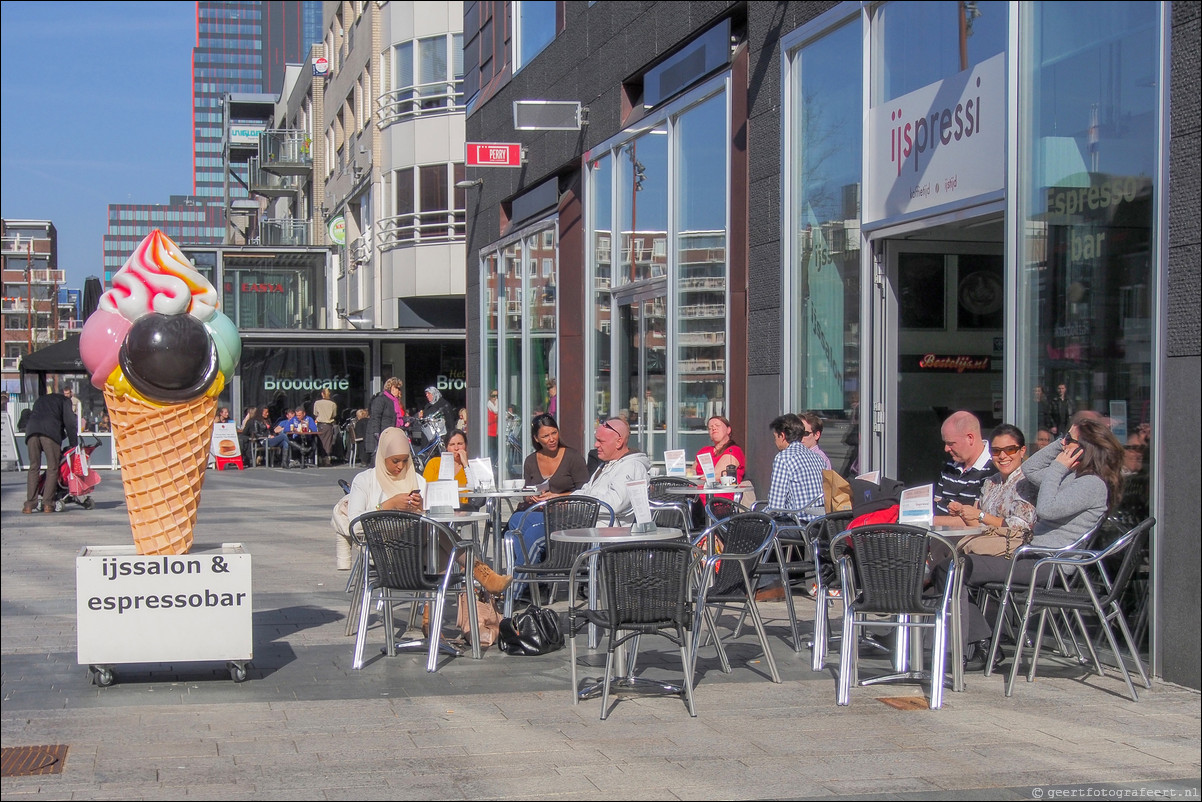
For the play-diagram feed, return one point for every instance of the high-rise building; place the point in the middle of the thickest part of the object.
(241, 47)
(185, 218)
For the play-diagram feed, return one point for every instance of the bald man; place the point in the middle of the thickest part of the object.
(621, 465)
(962, 475)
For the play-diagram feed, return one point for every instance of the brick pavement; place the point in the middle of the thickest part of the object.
(306, 726)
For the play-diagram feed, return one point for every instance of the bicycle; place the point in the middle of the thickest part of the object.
(434, 430)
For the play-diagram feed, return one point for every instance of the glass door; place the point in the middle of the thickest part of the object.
(940, 348)
(639, 356)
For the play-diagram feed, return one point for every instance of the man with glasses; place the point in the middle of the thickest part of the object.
(961, 477)
(621, 465)
(813, 434)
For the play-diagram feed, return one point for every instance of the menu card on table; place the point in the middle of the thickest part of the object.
(479, 474)
(641, 506)
(442, 496)
(446, 466)
(707, 468)
(674, 462)
(917, 506)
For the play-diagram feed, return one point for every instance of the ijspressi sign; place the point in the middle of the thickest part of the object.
(944, 143)
(151, 609)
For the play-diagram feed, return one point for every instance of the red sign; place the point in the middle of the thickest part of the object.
(321, 66)
(493, 154)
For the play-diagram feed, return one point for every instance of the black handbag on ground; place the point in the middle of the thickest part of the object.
(532, 631)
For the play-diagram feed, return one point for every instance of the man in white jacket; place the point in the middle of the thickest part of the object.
(621, 466)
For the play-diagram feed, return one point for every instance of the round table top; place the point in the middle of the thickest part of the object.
(957, 530)
(614, 534)
(459, 517)
(702, 490)
(515, 492)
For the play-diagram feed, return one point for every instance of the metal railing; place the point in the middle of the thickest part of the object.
(283, 231)
(10, 364)
(285, 147)
(419, 100)
(421, 227)
(264, 182)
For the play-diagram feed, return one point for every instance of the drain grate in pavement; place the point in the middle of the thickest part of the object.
(905, 702)
(26, 761)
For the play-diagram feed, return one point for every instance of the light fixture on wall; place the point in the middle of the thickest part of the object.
(356, 319)
(469, 183)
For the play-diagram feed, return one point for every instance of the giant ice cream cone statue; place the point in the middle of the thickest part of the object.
(161, 352)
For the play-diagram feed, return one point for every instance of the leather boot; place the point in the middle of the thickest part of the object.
(489, 579)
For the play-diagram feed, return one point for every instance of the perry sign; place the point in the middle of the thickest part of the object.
(494, 154)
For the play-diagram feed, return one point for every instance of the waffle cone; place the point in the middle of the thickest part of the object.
(163, 453)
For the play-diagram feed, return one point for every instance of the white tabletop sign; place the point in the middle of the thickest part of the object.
(479, 473)
(639, 501)
(674, 462)
(442, 494)
(707, 467)
(917, 506)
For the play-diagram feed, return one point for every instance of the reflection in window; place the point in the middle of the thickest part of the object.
(701, 243)
(427, 78)
(533, 29)
(422, 205)
(601, 207)
(825, 143)
(951, 37)
(1090, 146)
(643, 200)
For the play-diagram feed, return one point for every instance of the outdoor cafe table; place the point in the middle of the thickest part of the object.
(702, 490)
(600, 536)
(492, 503)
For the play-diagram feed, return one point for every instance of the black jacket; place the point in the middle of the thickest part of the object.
(381, 415)
(52, 416)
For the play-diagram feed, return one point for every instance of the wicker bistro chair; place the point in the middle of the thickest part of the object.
(727, 579)
(1093, 592)
(559, 513)
(402, 548)
(668, 509)
(818, 536)
(882, 568)
(647, 589)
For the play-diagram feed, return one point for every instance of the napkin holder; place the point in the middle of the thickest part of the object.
(643, 528)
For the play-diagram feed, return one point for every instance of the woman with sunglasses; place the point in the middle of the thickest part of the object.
(1006, 500)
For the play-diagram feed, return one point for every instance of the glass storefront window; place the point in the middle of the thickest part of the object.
(520, 313)
(826, 143)
(1089, 117)
(701, 252)
(951, 37)
(289, 376)
(660, 284)
(643, 200)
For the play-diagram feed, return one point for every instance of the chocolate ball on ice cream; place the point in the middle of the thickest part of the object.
(169, 358)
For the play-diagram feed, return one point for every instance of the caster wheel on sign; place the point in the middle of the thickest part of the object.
(103, 676)
(237, 672)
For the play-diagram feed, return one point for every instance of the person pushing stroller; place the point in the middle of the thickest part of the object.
(51, 418)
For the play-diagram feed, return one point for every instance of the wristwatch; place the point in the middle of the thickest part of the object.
(981, 516)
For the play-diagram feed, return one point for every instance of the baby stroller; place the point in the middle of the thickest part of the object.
(75, 478)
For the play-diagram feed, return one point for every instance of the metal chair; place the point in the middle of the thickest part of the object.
(1092, 591)
(556, 567)
(791, 561)
(403, 548)
(727, 578)
(818, 536)
(668, 509)
(1002, 593)
(647, 590)
(882, 568)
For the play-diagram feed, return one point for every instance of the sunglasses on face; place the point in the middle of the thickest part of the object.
(1069, 439)
(1009, 451)
(806, 432)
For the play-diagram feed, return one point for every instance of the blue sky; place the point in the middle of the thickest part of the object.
(95, 108)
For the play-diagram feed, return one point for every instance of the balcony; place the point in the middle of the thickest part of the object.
(14, 305)
(24, 277)
(421, 227)
(284, 231)
(10, 364)
(19, 246)
(269, 184)
(286, 152)
(420, 100)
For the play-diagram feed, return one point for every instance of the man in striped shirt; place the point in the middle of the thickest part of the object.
(796, 470)
(962, 475)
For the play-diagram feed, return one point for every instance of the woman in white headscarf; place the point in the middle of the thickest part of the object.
(393, 484)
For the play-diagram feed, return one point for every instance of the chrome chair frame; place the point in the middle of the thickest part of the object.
(1107, 608)
(419, 536)
(882, 568)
